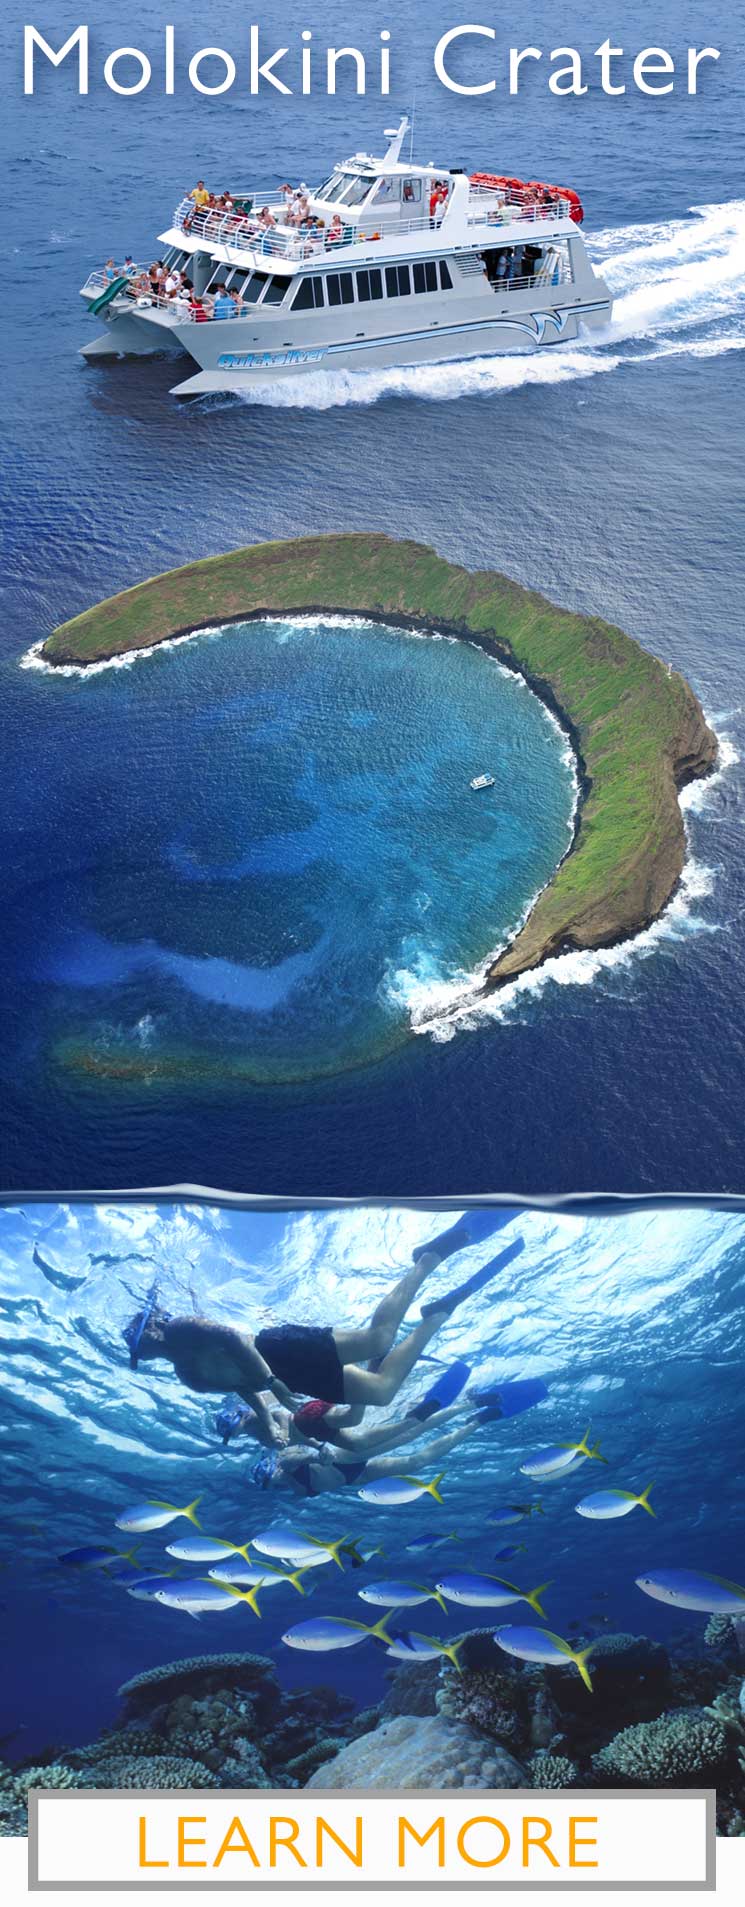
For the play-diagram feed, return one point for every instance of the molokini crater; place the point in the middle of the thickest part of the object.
(637, 728)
